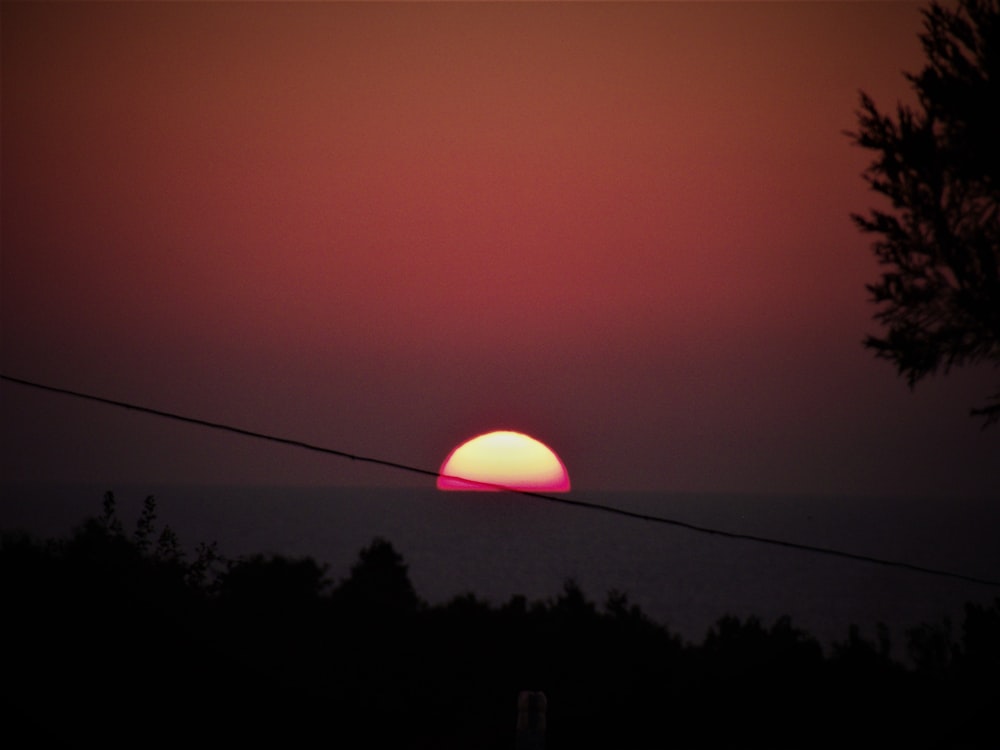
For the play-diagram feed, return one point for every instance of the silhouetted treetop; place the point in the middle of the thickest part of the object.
(379, 583)
(939, 166)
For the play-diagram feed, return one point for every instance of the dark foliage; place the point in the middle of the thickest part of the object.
(116, 639)
(939, 166)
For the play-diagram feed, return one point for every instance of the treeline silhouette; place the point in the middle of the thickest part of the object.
(125, 639)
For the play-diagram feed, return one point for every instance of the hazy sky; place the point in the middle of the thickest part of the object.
(384, 228)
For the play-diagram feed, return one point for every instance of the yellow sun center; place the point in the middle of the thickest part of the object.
(502, 459)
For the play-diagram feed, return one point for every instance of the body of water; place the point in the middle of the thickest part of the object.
(498, 545)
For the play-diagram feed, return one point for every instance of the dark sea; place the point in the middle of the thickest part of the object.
(498, 545)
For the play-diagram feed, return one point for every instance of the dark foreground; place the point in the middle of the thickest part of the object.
(122, 638)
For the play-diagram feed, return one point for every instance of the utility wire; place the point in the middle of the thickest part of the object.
(486, 485)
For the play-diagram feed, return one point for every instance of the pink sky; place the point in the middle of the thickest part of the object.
(385, 228)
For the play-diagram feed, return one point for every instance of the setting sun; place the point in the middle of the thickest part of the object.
(503, 459)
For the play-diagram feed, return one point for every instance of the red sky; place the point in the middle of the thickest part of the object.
(384, 228)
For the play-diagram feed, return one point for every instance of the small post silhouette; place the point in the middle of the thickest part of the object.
(531, 720)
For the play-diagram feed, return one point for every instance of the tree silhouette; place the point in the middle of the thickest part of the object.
(379, 585)
(117, 640)
(939, 294)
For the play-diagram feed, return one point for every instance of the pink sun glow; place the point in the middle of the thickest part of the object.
(503, 459)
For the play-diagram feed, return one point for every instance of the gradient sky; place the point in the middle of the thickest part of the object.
(384, 228)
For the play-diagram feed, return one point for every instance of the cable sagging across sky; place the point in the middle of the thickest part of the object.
(537, 495)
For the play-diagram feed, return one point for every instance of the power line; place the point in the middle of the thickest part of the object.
(486, 485)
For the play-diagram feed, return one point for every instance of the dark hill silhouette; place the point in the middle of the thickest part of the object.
(119, 637)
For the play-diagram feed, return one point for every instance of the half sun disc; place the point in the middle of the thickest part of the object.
(504, 459)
